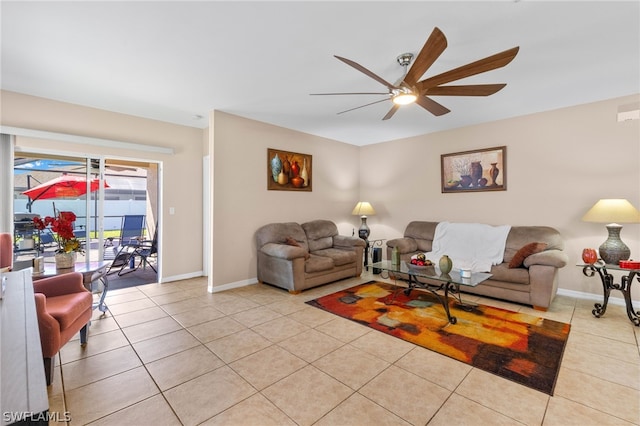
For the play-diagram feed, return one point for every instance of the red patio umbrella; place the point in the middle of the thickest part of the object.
(63, 186)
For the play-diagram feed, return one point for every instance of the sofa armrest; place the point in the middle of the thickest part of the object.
(555, 258)
(283, 251)
(347, 241)
(405, 245)
(60, 284)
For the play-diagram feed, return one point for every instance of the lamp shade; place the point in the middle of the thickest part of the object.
(363, 208)
(612, 210)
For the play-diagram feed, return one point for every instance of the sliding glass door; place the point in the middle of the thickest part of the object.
(51, 186)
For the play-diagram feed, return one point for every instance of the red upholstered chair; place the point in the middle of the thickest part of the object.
(63, 306)
(6, 250)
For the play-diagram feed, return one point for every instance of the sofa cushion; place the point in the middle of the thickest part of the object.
(340, 257)
(422, 233)
(502, 272)
(521, 235)
(524, 252)
(320, 234)
(317, 263)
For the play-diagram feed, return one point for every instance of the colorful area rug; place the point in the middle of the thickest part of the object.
(523, 348)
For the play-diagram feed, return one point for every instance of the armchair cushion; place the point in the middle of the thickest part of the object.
(66, 309)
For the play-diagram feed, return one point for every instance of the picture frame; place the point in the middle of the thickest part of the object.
(474, 171)
(289, 171)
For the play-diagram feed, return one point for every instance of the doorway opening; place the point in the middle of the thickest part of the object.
(122, 188)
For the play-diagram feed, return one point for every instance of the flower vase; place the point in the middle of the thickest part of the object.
(65, 260)
(445, 264)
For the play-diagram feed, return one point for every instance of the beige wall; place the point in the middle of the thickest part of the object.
(181, 239)
(242, 202)
(559, 163)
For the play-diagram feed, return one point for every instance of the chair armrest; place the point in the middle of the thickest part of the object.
(347, 241)
(283, 251)
(555, 258)
(60, 284)
(404, 244)
(48, 326)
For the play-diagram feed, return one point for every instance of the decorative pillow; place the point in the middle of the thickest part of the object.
(292, 242)
(524, 252)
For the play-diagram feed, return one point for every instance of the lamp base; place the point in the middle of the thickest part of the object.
(363, 231)
(614, 250)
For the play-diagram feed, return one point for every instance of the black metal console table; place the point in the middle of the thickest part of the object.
(609, 284)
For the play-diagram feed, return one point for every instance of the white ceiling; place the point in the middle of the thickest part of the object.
(174, 61)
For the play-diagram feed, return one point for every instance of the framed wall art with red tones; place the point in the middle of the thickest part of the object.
(474, 171)
(289, 171)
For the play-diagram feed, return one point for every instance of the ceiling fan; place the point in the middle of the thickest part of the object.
(408, 89)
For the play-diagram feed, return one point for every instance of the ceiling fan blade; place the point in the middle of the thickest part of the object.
(366, 71)
(362, 106)
(432, 106)
(392, 111)
(432, 49)
(468, 90)
(489, 63)
(354, 93)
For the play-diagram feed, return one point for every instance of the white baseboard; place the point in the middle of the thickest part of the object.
(596, 297)
(230, 286)
(242, 283)
(182, 277)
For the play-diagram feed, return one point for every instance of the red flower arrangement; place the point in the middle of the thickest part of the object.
(62, 225)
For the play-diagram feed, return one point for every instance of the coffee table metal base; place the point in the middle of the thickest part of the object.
(433, 289)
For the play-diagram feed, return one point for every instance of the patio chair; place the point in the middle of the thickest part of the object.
(147, 249)
(131, 230)
(125, 259)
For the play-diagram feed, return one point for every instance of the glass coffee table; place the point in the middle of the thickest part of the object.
(431, 280)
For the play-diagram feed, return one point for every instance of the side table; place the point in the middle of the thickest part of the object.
(369, 250)
(91, 273)
(609, 284)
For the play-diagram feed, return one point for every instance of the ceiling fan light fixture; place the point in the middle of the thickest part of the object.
(403, 96)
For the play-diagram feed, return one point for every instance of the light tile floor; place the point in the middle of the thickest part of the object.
(171, 354)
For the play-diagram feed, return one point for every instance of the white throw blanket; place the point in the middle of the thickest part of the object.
(474, 246)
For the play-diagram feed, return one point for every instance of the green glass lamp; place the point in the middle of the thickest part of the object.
(612, 212)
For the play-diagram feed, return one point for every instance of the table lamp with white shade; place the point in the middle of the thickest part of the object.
(613, 211)
(363, 209)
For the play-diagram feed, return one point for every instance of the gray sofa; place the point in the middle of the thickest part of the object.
(297, 257)
(535, 283)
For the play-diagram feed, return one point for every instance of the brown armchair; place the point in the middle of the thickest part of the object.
(6, 250)
(63, 306)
